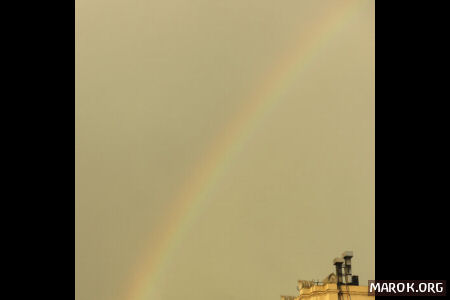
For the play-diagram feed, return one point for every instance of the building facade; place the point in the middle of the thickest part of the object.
(341, 285)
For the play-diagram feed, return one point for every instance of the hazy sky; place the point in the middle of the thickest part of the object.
(158, 82)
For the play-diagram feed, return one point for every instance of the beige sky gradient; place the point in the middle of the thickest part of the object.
(157, 81)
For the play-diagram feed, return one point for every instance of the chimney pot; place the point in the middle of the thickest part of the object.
(338, 261)
(347, 254)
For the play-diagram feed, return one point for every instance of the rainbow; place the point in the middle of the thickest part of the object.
(189, 198)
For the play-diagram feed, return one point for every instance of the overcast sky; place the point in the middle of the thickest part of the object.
(158, 81)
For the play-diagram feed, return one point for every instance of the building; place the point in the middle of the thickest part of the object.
(341, 285)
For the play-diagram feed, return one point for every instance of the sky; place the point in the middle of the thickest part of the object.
(224, 149)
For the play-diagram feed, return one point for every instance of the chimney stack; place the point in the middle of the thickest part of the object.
(347, 255)
(338, 263)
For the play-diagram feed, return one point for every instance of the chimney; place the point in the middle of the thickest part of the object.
(347, 255)
(338, 263)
